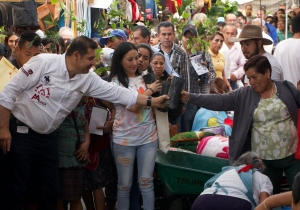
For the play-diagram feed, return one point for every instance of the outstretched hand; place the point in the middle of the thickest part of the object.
(185, 96)
(159, 102)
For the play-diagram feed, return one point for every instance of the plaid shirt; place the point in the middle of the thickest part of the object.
(194, 85)
(179, 61)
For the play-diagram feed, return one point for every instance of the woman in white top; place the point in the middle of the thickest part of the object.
(134, 129)
(229, 190)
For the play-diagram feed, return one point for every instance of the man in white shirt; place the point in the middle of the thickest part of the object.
(252, 43)
(287, 53)
(236, 57)
(36, 101)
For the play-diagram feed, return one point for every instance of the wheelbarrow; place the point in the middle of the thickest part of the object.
(181, 177)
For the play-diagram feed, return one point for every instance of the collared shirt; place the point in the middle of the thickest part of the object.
(42, 94)
(219, 63)
(237, 59)
(180, 63)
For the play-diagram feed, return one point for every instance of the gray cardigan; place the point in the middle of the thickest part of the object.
(244, 101)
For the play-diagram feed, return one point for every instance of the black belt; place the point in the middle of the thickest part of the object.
(15, 122)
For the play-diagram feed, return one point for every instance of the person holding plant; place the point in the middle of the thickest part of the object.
(202, 85)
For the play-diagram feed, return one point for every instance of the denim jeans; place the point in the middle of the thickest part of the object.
(233, 84)
(41, 151)
(135, 190)
(188, 118)
(125, 156)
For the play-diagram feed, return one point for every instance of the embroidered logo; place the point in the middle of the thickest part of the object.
(46, 79)
(36, 97)
(30, 71)
(43, 91)
(25, 72)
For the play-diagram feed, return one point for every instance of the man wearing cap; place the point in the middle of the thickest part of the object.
(114, 38)
(270, 28)
(252, 42)
(189, 32)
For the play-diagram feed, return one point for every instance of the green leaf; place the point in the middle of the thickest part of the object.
(186, 14)
(114, 25)
(48, 22)
(101, 70)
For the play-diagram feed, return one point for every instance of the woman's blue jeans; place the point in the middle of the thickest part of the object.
(124, 157)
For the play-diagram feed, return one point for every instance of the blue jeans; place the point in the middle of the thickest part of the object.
(125, 156)
(188, 118)
(233, 85)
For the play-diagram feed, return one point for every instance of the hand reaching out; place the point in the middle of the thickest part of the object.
(155, 86)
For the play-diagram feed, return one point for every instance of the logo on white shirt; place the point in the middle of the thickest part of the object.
(46, 79)
(43, 91)
(36, 97)
(27, 73)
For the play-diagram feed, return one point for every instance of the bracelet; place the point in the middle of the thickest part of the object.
(150, 89)
(149, 101)
(265, 205)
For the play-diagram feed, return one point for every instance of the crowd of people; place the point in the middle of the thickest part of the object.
(47, 160)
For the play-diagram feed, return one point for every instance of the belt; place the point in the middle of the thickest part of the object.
(15, 123)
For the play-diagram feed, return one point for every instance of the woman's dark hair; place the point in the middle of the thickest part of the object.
(281, 10)
(215, 34)
(158, 54)
(3, 50)
(166, 14)
(147, 47)
(8, 34)
(116, 68)
(259, 63)
(296, 189)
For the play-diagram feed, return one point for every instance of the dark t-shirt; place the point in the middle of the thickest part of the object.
(15, 63)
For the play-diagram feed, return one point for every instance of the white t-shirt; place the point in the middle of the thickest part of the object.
(288, 56)
(277, 73)
(134, 128)
(42, 94)
(231, 181)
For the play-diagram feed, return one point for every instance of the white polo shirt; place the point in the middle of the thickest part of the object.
(41, 95)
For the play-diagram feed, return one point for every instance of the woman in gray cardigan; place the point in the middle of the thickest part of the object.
(265, 120)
